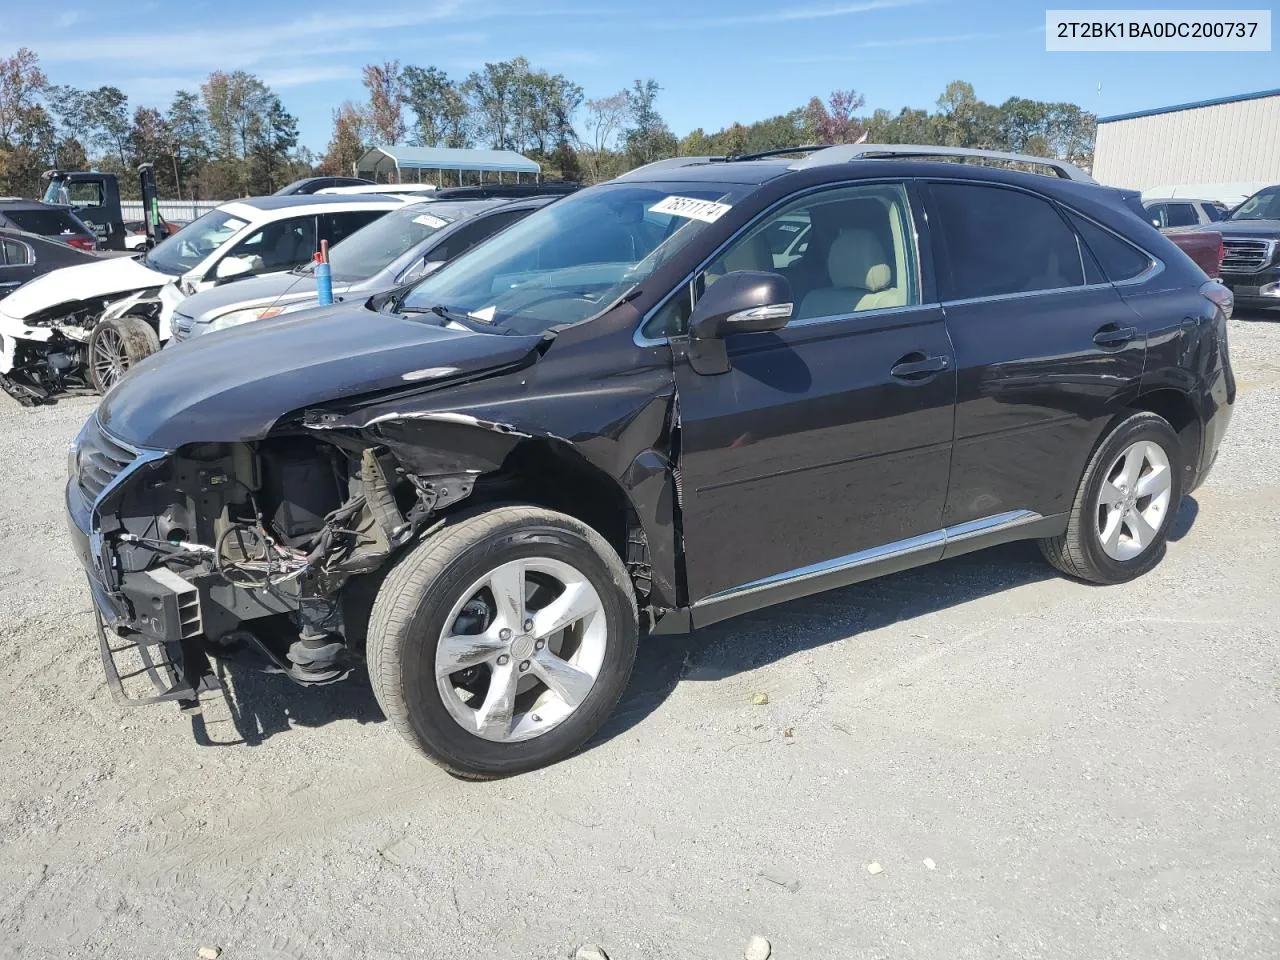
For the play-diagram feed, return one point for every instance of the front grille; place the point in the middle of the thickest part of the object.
(1246, 256)
(180, 327)
(102, 458)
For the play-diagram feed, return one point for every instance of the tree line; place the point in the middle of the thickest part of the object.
(233, 135)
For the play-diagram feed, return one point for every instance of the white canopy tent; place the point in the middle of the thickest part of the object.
(395, 160)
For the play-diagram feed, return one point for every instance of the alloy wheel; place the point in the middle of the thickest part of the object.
(1133, 501)
(521, 649)
(109, 359)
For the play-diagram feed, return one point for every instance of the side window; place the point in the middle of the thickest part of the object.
(1156, 214)
(1119, 260)
(476, 232)
(279, 245)
(336, 227)
(1179, 215)
(85, 194)
(999, 242)
(1214, 212)
(14, 254)
(847, 250)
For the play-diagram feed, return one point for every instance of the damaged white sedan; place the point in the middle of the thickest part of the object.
(82, 327)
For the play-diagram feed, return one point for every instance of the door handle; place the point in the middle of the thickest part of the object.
(916, 366)
(1113, 335)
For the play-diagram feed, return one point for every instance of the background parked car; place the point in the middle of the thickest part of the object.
(24, 256)
(1184, 213)
(309, 185)
(89, 324)
(1251, 250)
(48, 220)
(418, 190)
(397, 250)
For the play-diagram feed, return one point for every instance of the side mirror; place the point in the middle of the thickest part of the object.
(744, 301)
(229, 267)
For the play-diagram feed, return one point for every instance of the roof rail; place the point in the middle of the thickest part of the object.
(671, 163)
(872, 151)
(780, 152)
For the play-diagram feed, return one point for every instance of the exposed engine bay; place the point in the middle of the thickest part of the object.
(247, 548)
(48, 353)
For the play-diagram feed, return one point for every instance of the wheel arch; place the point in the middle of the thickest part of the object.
(1180, 411)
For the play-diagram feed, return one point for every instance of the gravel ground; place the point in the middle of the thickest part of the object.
(1038, 768)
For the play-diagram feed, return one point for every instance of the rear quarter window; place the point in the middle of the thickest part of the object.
(1119, 259)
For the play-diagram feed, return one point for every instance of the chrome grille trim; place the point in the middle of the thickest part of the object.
(102, 459)
(1246, 256)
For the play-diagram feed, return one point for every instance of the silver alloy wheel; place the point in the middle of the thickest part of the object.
(521, 649)
(109, 361)
(1133, 501)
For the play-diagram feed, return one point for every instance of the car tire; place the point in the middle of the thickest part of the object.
(510, 707)
(116, 345)
(1119, 522)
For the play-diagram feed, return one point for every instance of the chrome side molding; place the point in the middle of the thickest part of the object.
(938, 539)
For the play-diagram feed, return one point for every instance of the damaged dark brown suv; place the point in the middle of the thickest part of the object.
(703, 388)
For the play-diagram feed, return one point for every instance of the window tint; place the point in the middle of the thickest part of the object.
(336, 227)
(1119, 260)
(1180, 215)
(13, 253)
(1156, 214)
(1214, 211)
(999, 241)
(476, 232)
(50, 223)
(858, 253)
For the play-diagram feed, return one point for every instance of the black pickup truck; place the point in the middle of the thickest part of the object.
(1250, 242)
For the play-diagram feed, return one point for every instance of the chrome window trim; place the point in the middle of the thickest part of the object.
(1024, 294)
(641, 340)
(31, 254)
(937, 538)
(1155, 266)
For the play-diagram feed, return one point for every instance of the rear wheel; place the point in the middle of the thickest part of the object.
(503, 642)
(116, 345)
(1119, 522)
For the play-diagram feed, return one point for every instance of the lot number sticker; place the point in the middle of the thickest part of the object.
(706, 210)
(430, 220)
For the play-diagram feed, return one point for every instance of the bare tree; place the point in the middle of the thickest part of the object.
(386, 101)
(604, 121)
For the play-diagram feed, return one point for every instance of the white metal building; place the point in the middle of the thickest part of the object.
(1217, 149)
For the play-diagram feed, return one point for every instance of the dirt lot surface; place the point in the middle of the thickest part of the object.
(1038, 768)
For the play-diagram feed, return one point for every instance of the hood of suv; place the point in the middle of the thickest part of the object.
(1261, 229)
(236, 384)
(103, 278)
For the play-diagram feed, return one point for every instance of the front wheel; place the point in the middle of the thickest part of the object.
(116, 345)
(1130, 490)
(503, 642)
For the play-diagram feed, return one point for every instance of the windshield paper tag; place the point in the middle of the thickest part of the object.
(429, 220)
(707, 211)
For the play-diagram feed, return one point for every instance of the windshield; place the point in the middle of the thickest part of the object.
(1263, 205)
(572, 258)
(184, 250)
(372, 248)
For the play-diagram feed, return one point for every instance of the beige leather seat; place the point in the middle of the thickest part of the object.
(860, 278)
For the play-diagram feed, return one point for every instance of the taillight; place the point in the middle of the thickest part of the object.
(1217, 292)
(82, 243)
